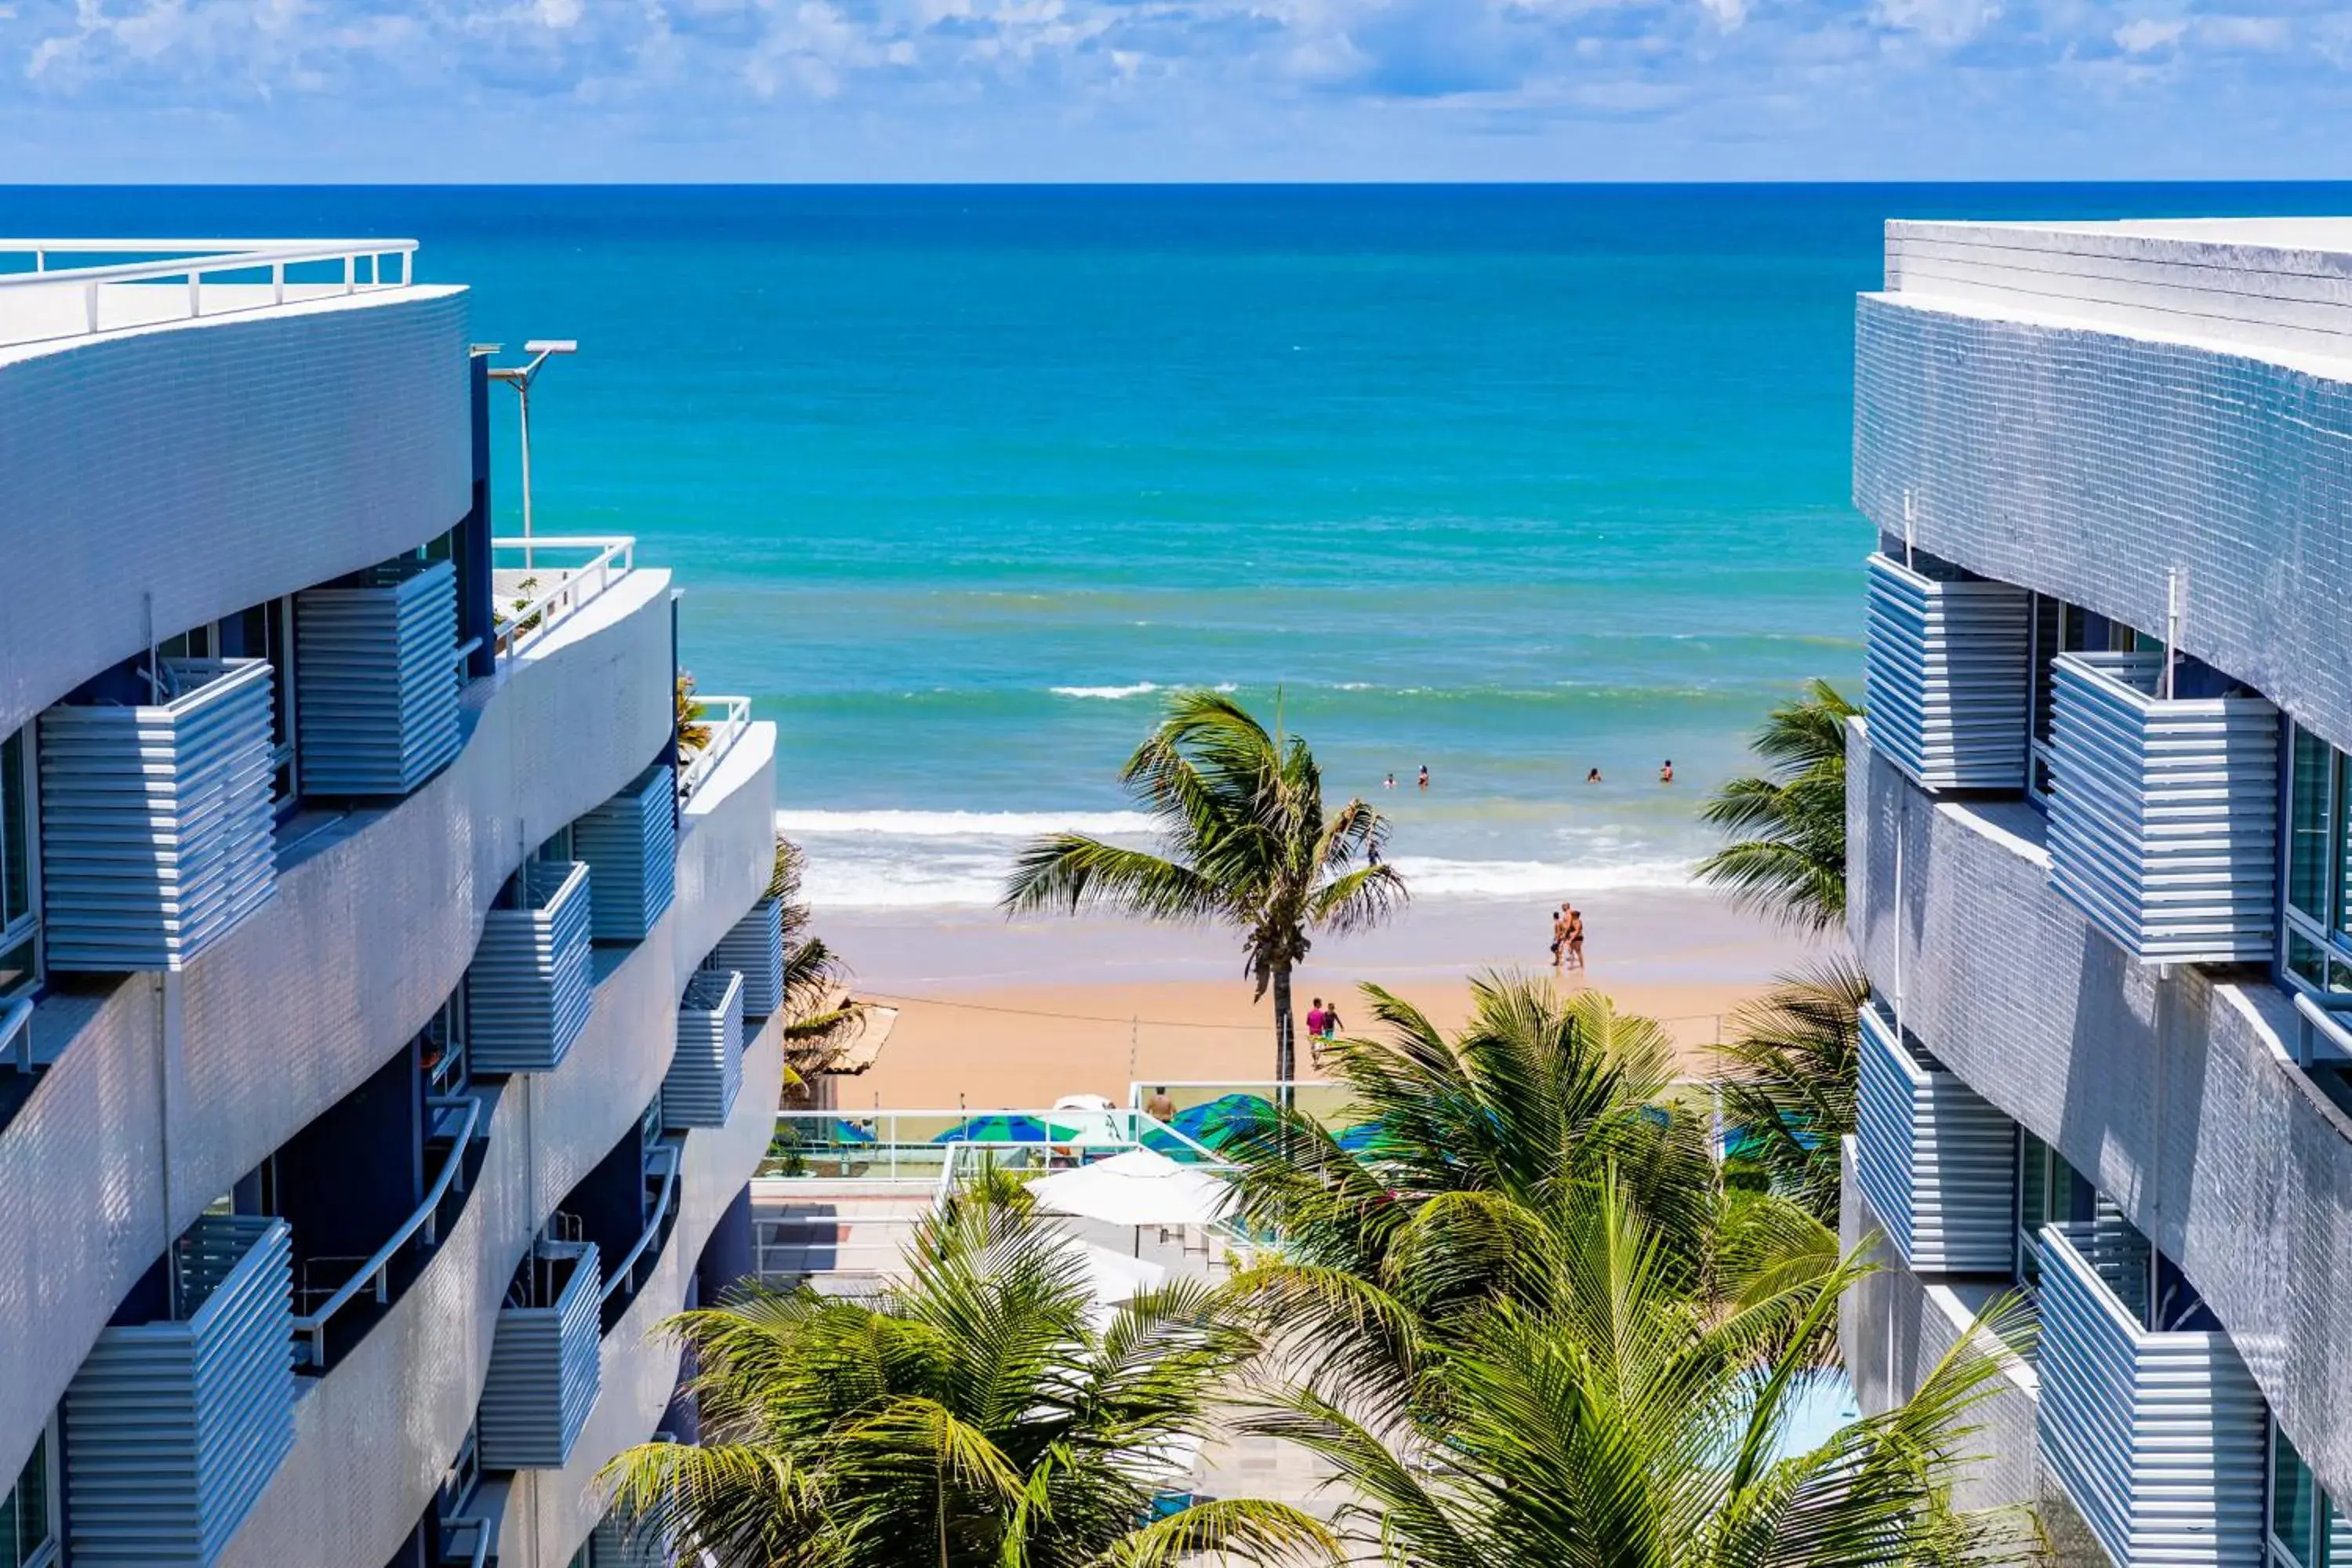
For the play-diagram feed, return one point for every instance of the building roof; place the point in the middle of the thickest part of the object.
(2272, 289)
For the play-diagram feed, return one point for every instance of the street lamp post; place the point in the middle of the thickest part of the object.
(519, 377)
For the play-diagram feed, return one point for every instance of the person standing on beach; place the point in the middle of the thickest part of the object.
(1558, 938)
(1160, 1106)
(1316, 1017)
(1576, 939)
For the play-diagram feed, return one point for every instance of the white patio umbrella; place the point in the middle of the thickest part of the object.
(1137, 1188)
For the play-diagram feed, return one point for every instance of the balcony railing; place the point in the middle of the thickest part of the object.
(706, 1069)
(627, 1277)
(16, 1034)
(531, 989)
(72, 288)
(630, 843)
(469, 1542)
(157, 836)
(375, 678)
(546, 1361)
(456, 1117)
(2157, 1436)
(725, 719)
(533, 597)
(1937, 1164)
(1949, 677)
(2162, 828)
(753, 948)
(173, 1427)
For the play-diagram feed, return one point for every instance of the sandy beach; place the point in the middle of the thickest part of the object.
(997, 1014)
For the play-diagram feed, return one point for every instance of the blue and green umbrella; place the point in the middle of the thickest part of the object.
(1213, 1121)
(1005, 1127)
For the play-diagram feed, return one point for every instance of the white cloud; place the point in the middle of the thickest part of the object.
(2142, 33)
(1943, 22)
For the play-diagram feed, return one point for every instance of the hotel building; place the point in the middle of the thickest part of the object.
(2100, 824)
(386, 1006)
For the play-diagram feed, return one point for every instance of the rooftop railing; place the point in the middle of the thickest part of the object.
(374, 1273)
(726, 718)
(531, 599)
(36, 272)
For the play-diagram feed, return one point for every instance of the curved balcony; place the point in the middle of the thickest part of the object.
(2174, 1093)
(640, 1369)
(410, 1389)
(362, 398)
(377, 915)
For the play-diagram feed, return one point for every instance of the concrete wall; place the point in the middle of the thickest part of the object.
(163, 1091)
(216, 465)
(1894, 1327)
(2085, 464)
(2174, 1094)
(373, 1435)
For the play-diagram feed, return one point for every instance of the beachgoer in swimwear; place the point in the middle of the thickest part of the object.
(1666, 774)
(1160, 1106)
(1593, 777)
(1576, 939)
(1425, 775)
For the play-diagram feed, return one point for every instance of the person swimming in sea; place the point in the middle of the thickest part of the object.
(1593, 777)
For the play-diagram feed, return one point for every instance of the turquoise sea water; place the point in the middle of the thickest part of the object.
(1512, 482)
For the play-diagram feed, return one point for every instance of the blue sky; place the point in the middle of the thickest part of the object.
(959, 89)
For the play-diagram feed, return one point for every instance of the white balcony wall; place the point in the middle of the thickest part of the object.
(755, 950)
(374, 922)
(372, 1436)
(172, 1426)
(2164, 823)
(214, 465)
(545, 1362)
(1937, 1162)
(1949, 677)
(2158, 1437)
(156, 831)
(376, 680)
(706, 1069)
(552, 1513)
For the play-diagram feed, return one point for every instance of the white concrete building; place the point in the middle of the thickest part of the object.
(2100, 823)
(366, 1091)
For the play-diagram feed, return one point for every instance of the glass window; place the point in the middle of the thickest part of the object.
(2311, 830)
(16, 831)
(2292, 1493)
(2305, 960)
(2048, 613)
(27, 1522)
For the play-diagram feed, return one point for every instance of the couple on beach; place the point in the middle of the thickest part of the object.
(1567, 939)
(1322, 1027)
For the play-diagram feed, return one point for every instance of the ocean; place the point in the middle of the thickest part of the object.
(1510, 482)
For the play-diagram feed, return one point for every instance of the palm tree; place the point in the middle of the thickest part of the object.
(1248, 843)
(1463, 1148)
(1619, 1420)
(1471, 1138)
(1788, 855)
(980, 1416)
(1788, 1092)
(818, 1012)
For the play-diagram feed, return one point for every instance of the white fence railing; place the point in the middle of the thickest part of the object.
(928, 1146)
(726, 718)
(530, 600)
(362, 262)
(16, 1032)
(624, 1272)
